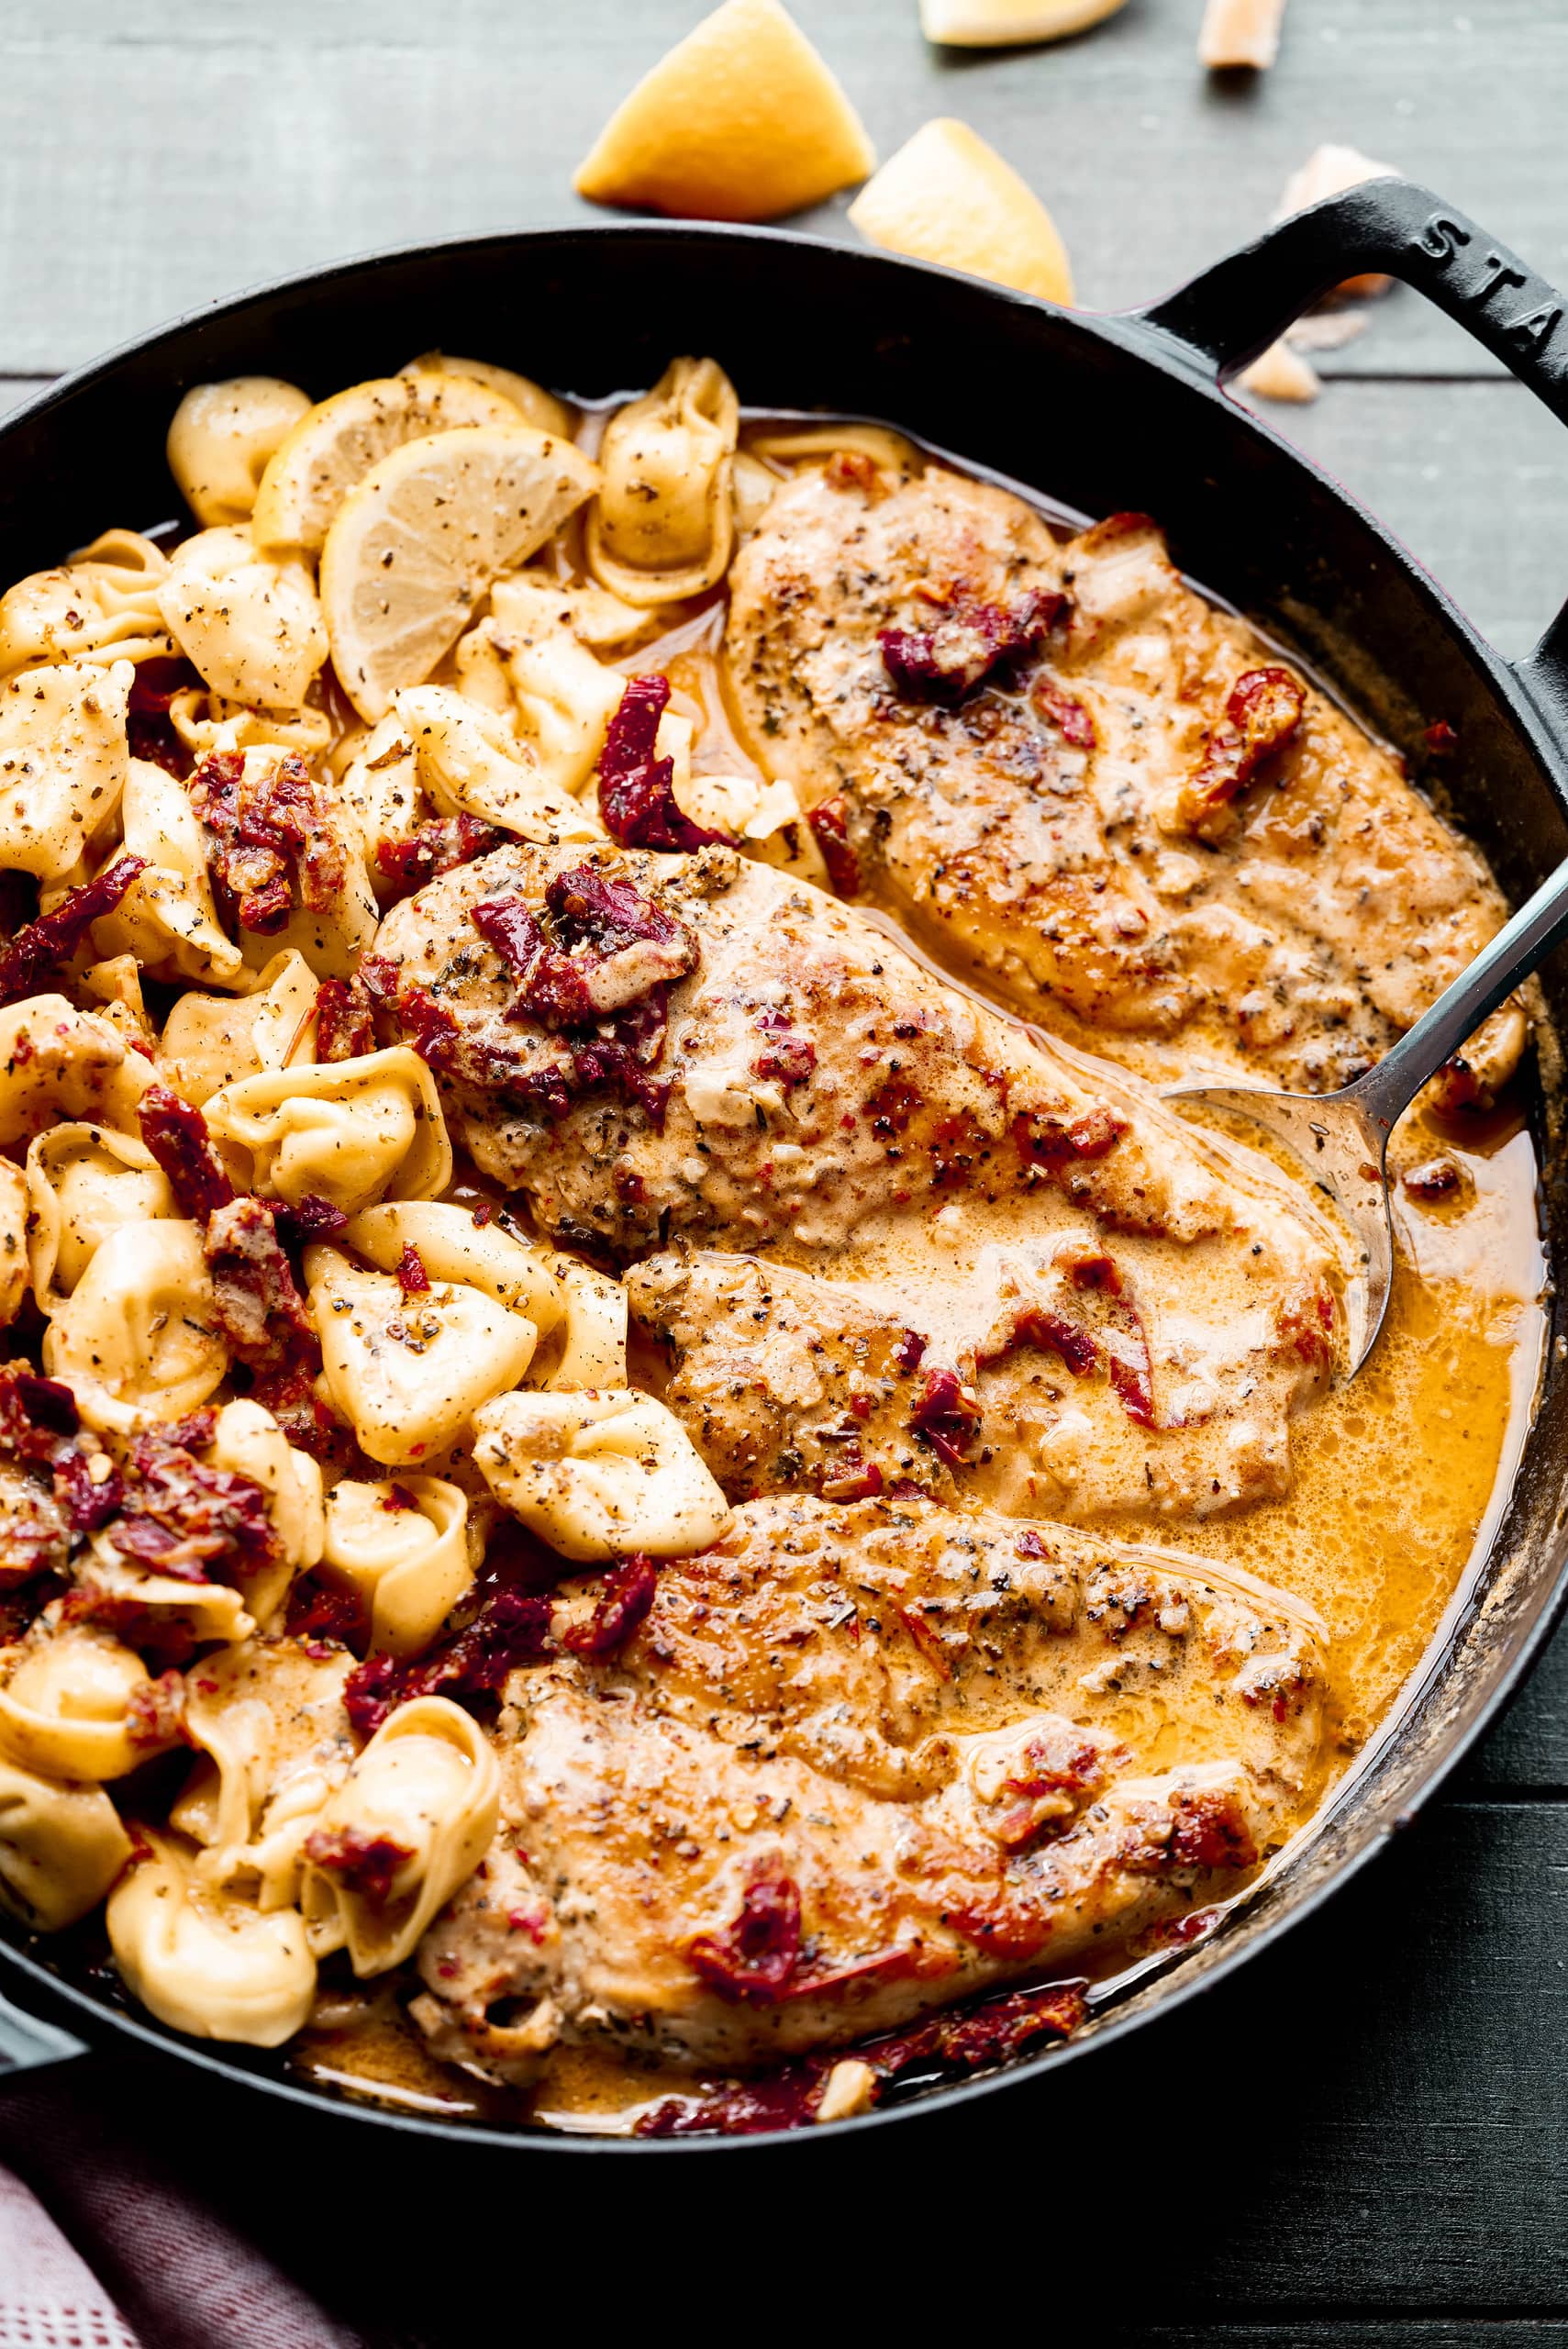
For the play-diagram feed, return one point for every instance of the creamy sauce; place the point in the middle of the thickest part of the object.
(1399, 1480)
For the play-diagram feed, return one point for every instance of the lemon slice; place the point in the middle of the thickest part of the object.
(311, 472)
(741, 121)
(987, 24)
(948, 197)
(424, 536)
(532, 402)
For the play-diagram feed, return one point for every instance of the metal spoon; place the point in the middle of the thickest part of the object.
(1343, 1137)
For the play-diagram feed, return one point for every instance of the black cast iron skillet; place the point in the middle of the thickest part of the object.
(1100, 414)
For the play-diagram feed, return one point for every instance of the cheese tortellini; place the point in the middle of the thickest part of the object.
(600, 1475)
(58, 1062)
(167, 918)
(267, 1720)
(84, 1182)
(411, 1823)
(248, 623)
(138, 1338)
(662, 526)
(61, 1846)
(204, 1961)
(68, 1706)
(221, 438)
(103, 605)
(347, 1131)
(409, 1371)
(469, 763)
(248, 1442)
(403, 1547)
(15, 1271)
(64, 755)
(453, 1246)
(211, 1041)
(531, 657)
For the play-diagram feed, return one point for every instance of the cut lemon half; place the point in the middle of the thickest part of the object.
(987, 24)
(948, 197)
(742, 120)
(311, 472)
(423, 538)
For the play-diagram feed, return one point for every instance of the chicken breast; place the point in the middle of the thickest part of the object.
(859, 1761)
(1070, 774)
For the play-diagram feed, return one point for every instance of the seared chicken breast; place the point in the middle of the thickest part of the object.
(856, 1761)
(1072, 775)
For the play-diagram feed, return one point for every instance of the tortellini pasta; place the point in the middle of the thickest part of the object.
(592, 1341)
(453, 1246)
(661, 525)
(267, 1718)
(137, 1341)
(560, 697)
(206, 721)
(248, 1442)
(221, 438)
(380, 787)
(202, 1960)
(56, 1060)
(177, 1614)
(167, 918)
(347, 1131)
(409, 1371)
(404, 1548)
(211, 1041)
(67, 1706)
(248, 623)
(64, 756)
(411, 1823)
(469, 764)
(14, 1267)
(765, 820)
(102, 605)
(61, 1846)
(599, 1476)
(82, 1182)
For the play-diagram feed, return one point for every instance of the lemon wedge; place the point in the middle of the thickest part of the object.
(311, 472)
(425, 535)
(988, 24)
(947, 197)
(741, 120)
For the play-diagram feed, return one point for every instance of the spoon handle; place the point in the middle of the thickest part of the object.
(1519, 948)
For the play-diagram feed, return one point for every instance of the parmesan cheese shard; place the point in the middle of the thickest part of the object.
(1240, 32)
(995, 24)
(1281, 373)
(1329, 171)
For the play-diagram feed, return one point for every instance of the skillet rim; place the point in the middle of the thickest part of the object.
(1138, 335)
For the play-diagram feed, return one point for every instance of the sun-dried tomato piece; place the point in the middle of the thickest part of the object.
(1208, 1829)
(628, 1594)
(259, 1310)
(1045, 1138)
(1263, 712)
(977, 2036)
(87, 1501)
(176, 1133)
(554, 988)
(909, 1351)
(183, 1519)
(636, 789)
(309, 1218)
(785, 1054)
(364, 1865)
(436, 848)
(345, 1021)
(829, 825)
(41, 946)
(754, 1957)
(1070, 718)
(412, 1277)
(1435, 1178)
(1306, 1324)
(272, 837)
(150, 733)
(155, 1712)
(852, 1478)
(323, 1611)
(973, 642)
(511, 1628)
(948, 1415)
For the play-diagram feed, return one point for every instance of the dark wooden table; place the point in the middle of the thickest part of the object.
(1362, 2138)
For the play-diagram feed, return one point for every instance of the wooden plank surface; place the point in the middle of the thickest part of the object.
(1361, 2139)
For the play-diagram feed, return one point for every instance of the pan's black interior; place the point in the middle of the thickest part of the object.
(1100, 416)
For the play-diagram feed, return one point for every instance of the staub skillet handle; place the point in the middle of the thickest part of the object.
(1236, 308)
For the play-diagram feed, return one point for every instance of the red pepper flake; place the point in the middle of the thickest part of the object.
(852, 1478)
(1441, 740)
(41, 946)
(364, 1865)
(753, 1959)
(948, 1415)
(830, 830)
(637, 790)
(1264, 711)
(785, 1054)
(176, 1133)
(345, 1023)
(908, 1352)
(412, 1277)
(628, 1595)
